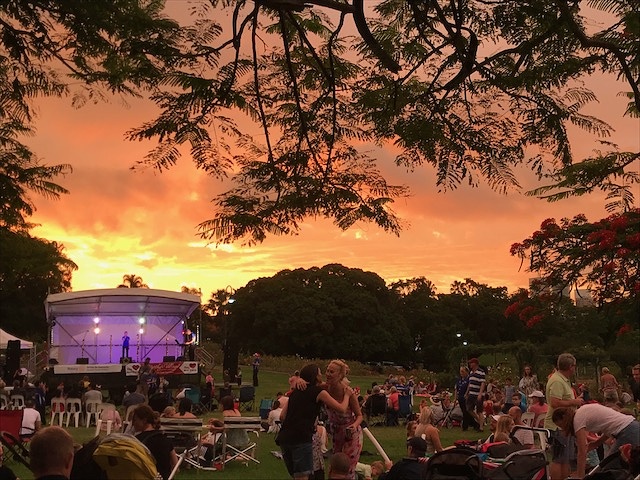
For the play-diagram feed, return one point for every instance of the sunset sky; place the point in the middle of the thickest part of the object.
(115, 221)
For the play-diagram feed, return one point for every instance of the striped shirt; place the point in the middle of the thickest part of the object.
(476, 379)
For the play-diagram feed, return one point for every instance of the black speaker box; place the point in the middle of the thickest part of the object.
(169, 358)
(82, 361)
(125, 359)
(180, 358)
(12, 360)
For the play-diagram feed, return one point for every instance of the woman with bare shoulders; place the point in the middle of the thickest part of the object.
(345, 427)
(298, 418)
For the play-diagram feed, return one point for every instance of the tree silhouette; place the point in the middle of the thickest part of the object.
(131, 280)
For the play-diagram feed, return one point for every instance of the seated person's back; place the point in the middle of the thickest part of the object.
(237, 437)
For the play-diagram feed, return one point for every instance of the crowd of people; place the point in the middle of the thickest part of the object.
(320, 407)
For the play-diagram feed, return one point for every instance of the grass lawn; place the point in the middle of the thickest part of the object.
(392, 439)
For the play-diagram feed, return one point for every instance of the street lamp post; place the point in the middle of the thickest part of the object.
(230, 358)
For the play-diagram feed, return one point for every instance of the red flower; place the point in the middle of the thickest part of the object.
(624, 329)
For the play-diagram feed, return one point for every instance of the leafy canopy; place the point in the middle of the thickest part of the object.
(473, 88)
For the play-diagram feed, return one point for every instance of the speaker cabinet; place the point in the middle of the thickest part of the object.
(82, 361)
(125, 359)
(12, 360)
(169, 358)
(180, 358)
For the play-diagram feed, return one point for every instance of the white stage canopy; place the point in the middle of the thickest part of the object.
(5, 337)
(90, 324)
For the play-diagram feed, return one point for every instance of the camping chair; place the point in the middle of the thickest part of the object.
(185, 435)
(376, 410)
(57, 408)
(10, 425)
(193, 394)
(124, 457)
(73, 407)
(247, 397)
(232, 448)
(454, 464)
(265, 408)
(405, 407)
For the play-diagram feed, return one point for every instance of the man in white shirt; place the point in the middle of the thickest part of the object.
(31, 420)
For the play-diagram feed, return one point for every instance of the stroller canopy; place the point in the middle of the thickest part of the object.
(124, 457)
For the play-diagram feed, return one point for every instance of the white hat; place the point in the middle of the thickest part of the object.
(537, 393)
(496, 417)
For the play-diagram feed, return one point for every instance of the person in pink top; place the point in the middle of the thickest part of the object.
(538, 406)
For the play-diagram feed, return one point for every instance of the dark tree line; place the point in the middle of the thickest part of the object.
(335, 311)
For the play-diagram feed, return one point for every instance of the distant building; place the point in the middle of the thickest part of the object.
(580, 297)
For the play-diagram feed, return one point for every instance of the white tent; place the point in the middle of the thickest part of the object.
(5, 337)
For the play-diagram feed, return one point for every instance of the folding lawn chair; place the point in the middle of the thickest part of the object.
(185, 435)
(247, 397)
(376, 410)
(265, 408)
(236, 444)
(454, 464)
(10, 425)
(405, 407)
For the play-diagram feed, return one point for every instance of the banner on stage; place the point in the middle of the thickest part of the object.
(164, 369)
(88, 368)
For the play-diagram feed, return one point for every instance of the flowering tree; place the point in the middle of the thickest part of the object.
(601, 256)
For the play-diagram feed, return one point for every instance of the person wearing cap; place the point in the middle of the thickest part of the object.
(475, 393)
(561, 394)
(538, 406)
(410, 467)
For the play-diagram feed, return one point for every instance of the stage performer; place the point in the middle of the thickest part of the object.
(125, 345)
(190, 345)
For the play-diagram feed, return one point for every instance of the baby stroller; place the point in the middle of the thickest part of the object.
(521, 465)
(124, 457)
(459, 463)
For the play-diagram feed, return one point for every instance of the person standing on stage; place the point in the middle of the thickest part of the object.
(125, 344)
(190, 345)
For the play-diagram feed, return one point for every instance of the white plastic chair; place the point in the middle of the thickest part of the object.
(109, 416)
(91, 410)
(126, 423)
(18, 401)
(528, 418)
(4, 402)
(73, 407)
(57, 408)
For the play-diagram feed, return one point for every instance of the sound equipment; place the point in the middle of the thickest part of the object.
(180, 358)
(125, 359)
(169, 358)
(82, 361)
(12, 360)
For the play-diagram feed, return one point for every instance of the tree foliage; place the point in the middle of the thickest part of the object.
(473, 88)
(603, 256)
(131, 280)
(30, 269)
(327, 312)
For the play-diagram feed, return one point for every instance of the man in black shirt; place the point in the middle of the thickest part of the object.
(412, 467)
